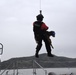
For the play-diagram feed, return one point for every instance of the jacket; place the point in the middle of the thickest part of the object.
(39, 27)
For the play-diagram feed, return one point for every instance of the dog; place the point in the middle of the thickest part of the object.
(48, 34)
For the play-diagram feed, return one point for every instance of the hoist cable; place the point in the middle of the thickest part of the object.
(40, 4)
(40, 8)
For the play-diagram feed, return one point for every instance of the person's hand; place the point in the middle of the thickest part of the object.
(52, 47)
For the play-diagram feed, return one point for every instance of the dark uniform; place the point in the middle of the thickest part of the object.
(39, 29)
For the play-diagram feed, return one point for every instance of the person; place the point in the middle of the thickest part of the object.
(39, 29)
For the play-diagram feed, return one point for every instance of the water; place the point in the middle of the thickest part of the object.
(57, 71)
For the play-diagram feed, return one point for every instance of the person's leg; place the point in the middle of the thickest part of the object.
(38, 47)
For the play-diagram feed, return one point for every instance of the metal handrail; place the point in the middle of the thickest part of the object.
(39, 66)
(1, 49)
(5, 69)
(8, 67)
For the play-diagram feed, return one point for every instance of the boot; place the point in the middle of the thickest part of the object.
(36, 55)
(50, 55)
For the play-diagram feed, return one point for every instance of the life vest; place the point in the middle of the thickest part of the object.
(37, 27)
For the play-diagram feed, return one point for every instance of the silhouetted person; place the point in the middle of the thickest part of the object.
(39, 29)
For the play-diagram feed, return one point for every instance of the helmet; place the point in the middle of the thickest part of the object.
(40, 17)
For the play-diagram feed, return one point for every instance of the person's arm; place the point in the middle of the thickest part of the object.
(44, 27)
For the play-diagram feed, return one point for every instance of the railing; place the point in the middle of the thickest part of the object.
(1, 52)
(6, 70)
(35, 64)
(1, 48)
(34, 68)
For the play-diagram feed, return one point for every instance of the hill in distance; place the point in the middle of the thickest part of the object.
(43, 60)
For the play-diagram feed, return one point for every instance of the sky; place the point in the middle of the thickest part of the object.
(16, 27)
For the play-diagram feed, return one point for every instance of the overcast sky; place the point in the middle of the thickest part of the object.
(16, 30)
